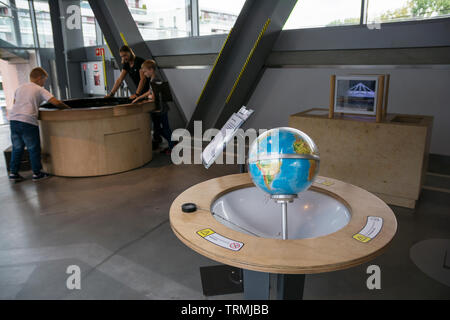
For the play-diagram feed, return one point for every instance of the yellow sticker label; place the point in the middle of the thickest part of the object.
(361, 238)
(324, 182)
(371, 229)
(219, 240)
(205, 232)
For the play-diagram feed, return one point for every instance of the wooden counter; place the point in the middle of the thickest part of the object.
(96, 141)
(387, 158)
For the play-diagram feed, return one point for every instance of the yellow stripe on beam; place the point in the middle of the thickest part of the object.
(123, 39)
(104, 72)
(109, 48)
(261, 34)
(214, 66)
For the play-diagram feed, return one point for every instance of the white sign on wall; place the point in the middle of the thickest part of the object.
(92, 75)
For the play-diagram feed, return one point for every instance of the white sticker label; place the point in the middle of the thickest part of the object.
(219, 240)
(371, 230)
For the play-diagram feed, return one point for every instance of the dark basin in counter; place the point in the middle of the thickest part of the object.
(90, 103)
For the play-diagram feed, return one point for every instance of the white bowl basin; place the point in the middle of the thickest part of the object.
(251, 211)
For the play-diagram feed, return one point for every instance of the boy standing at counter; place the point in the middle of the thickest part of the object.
(160, 117)
(24, 124)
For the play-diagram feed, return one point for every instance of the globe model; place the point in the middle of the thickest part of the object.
(283, 161)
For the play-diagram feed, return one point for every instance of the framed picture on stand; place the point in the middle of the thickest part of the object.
(364, 95)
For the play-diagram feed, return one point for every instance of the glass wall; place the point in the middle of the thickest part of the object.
(324, 13)
(7, 23)
(26, 30)
(379, 11)
(165, 19)
(43, 23)
(161, 19)
(218, 16)
(15, 23)
(88, 25)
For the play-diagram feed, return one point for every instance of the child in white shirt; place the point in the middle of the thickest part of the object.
(24, 124)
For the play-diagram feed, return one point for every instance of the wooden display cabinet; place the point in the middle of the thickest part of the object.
(388, 158)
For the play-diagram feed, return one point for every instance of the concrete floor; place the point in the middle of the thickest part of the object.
(116, 229)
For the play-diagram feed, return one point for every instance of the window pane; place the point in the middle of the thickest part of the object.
(401, 10)
(161, 19)
(44, 24)
(88, 24)
(6, 23)
(26, 31)
(324, 13)
(218, 16)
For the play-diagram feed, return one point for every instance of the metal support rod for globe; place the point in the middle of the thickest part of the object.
(284, 220)
(284, 200)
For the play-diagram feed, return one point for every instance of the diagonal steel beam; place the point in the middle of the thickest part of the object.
(64, 39)
(240, 62)
(60, 50)
(119, 28)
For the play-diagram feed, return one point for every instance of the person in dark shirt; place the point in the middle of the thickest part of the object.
(131, 64)
(160, 117)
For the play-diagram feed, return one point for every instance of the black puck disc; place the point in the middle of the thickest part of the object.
(189, 207)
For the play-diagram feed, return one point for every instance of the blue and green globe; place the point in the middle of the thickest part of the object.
(283, 161)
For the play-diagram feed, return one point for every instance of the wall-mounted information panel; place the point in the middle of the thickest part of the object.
(93, 77)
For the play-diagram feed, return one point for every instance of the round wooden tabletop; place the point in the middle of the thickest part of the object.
(95, 113)
(348, 247)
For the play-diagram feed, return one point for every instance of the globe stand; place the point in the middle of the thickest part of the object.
(284, 200)
(223, 279)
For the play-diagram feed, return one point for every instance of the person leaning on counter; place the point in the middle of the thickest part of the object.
(131, 64)
(23, 118)
(160, 118)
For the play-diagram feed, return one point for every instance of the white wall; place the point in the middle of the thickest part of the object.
(282, 92)
(15, 74)
(187, 85)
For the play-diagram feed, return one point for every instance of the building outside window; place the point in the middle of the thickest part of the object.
(44, 24)
(154, 18)
(218, 17)
(133, 3)
(88, 24)
(26, 30)
(9, 24)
